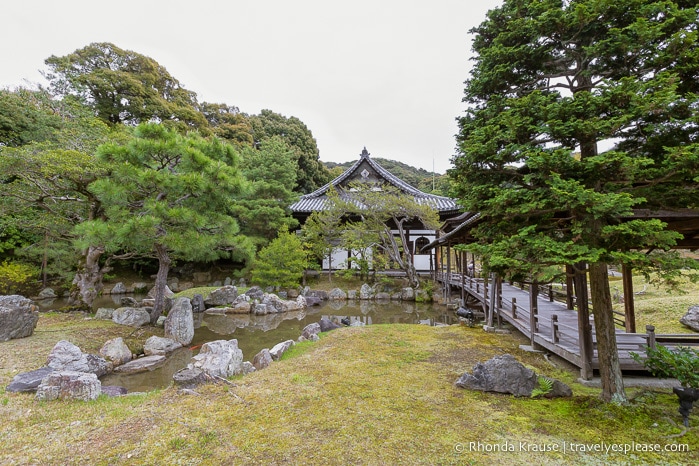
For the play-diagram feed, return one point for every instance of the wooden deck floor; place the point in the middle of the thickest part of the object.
(555, 327)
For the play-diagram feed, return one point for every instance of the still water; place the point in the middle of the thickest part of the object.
(255, 333)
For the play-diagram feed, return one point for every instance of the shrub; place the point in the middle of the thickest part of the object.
(281, 263)
(681, 363)
(16, 278)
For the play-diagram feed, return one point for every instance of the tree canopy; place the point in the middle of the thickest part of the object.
(122, 86)
(169, 197)
(553, 82)
(311, 173)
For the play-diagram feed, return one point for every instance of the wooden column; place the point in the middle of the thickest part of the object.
(584, 327)
(570, 288)
(629, 310)
(447, 281)
(464, 266)
(533, 309)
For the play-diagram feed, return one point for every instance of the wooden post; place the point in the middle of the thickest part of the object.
(493, 299)
(498, 306)
(570, 288)
(584, 327)
(650, 330)
(447, 282)
(463, 276)
(554, 328)
(629, 311)
(514, 308)
(533, 309)
(551, 293)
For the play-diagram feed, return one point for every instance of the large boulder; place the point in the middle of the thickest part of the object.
(311, 330)
(326, 325)
(504, 374)
(366, 292)
(691, 318)
(116, 351)
(131, 316)
(336, 294)
(190, 378)
(222, 296)
(18, 317)
(69, 385)
(221, 358)
(104, 313)
(144, 364)
(255, 293)
(156, 345)
(119, 288)
(179, 325)
(198, 303)
(28, 381)
(280, 348)
(65, 356)
(407, 294)
(262, 359)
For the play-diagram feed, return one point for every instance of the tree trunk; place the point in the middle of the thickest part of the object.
(160, 282)
(88, 279)
(607, 354)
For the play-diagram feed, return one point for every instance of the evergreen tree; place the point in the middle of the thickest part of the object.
(552, 81)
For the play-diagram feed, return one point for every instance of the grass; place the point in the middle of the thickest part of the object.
(381, 394)
(658, 306)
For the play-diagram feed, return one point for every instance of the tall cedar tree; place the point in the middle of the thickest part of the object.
(552, 81)
(168, 197)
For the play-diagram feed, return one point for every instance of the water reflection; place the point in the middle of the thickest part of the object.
(257, 332)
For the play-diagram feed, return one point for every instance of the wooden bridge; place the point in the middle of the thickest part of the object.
(551, 324)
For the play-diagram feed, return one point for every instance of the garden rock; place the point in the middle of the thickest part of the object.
(168, 292)
(104, 313)
(198, 303)
(504, 374)
(220, 358)
(407, 294)
(146, 363)
(326, 325)
(310, 329)
(336, 294)
(28, 381)
(312, 300)
(156, 345)
(255, 293)
(366, 292)
(119, 288)
(116, 351)
(691, 318)
(320, 294)
(128, 301)
(65, 356)
(222, 296)
(190, 378)
(262, 359)
(280, 348)
(69, 385)
(179, 324)
(18, 317)
(47, 293)
(131, 316)
(114, 390)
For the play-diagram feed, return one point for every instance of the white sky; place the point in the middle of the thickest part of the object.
(385, 74)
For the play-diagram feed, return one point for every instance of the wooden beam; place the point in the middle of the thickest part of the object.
(584, 327)
(629, 309)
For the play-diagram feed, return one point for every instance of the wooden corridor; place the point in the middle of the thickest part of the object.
(552, 326)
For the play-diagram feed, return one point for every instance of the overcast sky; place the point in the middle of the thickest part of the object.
(385, 74)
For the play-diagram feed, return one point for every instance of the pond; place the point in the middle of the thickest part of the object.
(255, 333)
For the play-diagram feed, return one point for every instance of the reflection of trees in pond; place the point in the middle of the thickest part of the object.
(228, 323)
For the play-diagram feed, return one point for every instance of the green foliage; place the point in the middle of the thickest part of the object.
(543, 386)
(122, 86)
(16, 278)
(310, 172)
(228, 123)
(282, 263)
(681, 363)
(263, 208)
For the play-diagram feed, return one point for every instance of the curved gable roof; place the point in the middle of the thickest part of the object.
(367, 169)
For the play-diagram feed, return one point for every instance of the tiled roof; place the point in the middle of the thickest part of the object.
(317, 199)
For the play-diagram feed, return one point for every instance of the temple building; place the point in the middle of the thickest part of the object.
(369, 171)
